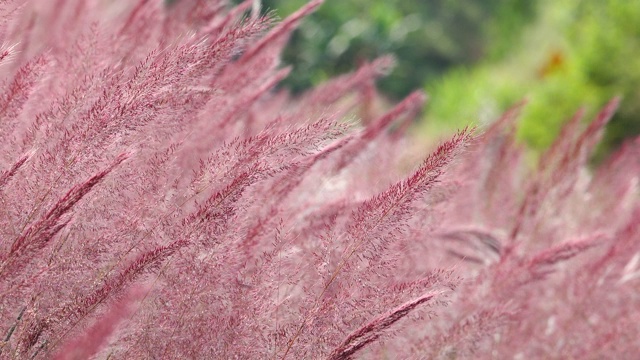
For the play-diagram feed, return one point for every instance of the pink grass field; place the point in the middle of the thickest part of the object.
(161, 198)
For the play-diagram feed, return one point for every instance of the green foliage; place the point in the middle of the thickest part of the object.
(478, 101)
(608, 52)
(577, 53)
(427, 37)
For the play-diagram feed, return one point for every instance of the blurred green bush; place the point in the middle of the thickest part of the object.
(577, 53)
(427, 37)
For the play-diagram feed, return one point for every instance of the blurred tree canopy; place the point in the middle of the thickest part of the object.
(427, 37)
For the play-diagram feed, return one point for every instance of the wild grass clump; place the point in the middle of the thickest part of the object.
(161, 199)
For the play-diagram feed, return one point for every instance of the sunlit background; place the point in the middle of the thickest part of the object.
(477, 58)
